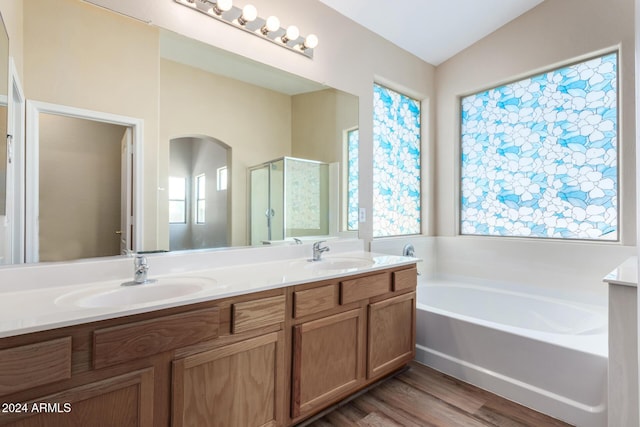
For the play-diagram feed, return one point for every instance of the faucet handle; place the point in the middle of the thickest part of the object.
(316, 245)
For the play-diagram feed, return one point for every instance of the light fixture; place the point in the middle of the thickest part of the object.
(247, 19)
(292, 33)
(222, 6)
(249, 14)
(310, 42)
(271, 25)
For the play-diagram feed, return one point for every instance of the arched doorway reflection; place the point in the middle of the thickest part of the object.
(199, 193)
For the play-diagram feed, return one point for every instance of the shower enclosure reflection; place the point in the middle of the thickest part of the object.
(289, 198)
(198, 193)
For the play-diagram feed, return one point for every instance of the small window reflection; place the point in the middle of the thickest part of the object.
(200, 199)
(177, 200)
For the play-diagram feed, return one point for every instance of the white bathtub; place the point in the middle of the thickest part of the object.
(547, 353)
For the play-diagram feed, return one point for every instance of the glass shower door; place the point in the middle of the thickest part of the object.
(259, 204)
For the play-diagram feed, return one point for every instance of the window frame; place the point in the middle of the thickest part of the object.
(420, 158)
(346, 178)
(200, 179)
(222, 178)
(183, 200)
(619, 185)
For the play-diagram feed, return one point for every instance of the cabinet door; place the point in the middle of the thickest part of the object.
(124, 401)
(328, 360)
(237, 385)
(391, 334)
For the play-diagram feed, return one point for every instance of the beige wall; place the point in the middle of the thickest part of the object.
(319, 120)
(255, 122)
(554, 33)
(78, 55)
(12, 13)
(80, 188)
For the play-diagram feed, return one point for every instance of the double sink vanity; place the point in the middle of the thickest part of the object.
(262, 337)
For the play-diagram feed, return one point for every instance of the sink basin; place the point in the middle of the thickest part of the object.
(119, 296)
(340, 263)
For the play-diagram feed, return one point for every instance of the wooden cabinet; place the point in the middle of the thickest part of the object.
(123, 343)
(257, 313)
(348, 334)
(271, 358)
(123, 401)
(237, 385)
(26, 366)
(391, 334)
(327, 360)
(364, 287)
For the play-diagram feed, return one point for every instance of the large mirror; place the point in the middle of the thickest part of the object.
(192, 98)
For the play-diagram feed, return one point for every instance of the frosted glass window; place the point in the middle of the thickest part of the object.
(396, 163)
(200, 198)
(539, 156)
(353, 137)
(177, 200)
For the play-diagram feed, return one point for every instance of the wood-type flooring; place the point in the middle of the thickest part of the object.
(423, 397)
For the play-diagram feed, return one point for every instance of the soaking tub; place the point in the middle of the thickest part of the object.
(545, 352)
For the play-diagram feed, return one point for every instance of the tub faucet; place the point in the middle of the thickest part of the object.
(317, 250)
(408, 250)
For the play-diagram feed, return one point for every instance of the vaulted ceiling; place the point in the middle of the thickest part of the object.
(433, 30)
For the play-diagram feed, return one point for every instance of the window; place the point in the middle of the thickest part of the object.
(352, 142)
(539, 156)
(177, 200)
(200, 199)
(221, 184)
(396, 163)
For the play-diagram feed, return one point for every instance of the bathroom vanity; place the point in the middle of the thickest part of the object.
(272, 357)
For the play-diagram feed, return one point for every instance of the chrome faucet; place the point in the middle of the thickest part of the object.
(408, 250)
(318, 250)
(140, 269)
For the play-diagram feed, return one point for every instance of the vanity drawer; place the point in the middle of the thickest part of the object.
(123, 343)
(257, 313)
(33, 365)
(315, 300)
(405, 279)
(364, 287)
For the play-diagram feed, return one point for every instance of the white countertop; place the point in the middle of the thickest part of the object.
(32, 308)
(626, 274)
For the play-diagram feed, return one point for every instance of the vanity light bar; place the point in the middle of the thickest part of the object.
(247, 19)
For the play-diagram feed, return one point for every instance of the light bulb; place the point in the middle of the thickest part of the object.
(292, 34)
(273, 24)
(249, 14)
(310, 42)
(222, 6)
